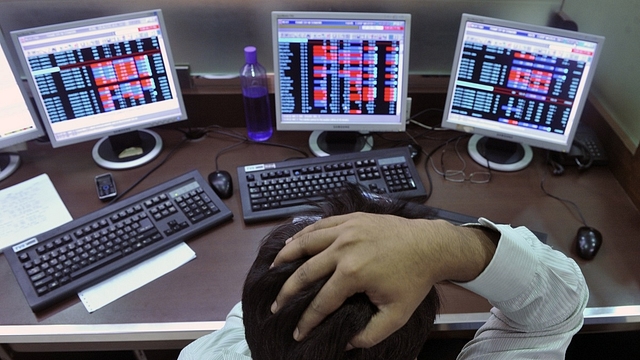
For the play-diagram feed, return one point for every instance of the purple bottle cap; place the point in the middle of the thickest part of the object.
(250, 54)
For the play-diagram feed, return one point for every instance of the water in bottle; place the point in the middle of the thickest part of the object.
(255, 94)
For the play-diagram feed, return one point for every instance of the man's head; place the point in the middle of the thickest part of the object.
(270, 336)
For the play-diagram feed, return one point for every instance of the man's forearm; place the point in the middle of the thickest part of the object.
(462, 252)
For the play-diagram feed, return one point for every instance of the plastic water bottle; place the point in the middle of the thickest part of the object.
(255, 93)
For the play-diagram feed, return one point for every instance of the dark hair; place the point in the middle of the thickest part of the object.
(270, 336)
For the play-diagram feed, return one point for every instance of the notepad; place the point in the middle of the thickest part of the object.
(30, 208)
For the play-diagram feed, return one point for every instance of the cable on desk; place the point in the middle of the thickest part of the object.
(481, 177)
(190, 135)
(412, 120)
(164, 160)
(428, 160)
(231, 133)
(193, 133)
(566, 201)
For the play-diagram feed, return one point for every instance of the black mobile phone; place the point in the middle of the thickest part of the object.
(106, 187)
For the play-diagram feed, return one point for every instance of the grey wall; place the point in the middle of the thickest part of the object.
(617, 81)
(210, 35)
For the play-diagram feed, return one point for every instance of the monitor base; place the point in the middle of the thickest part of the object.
(500, 155)
(325, 143)
(9, 163)
(127, 150)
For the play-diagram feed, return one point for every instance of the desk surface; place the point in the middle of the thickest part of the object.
(195, 298)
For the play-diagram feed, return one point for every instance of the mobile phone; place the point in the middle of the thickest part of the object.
(106, 187)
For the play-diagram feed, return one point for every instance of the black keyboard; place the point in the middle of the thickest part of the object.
(58, 263)
(282, 189)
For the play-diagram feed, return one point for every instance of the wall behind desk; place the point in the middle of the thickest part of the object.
(210, 35)
(617, 81)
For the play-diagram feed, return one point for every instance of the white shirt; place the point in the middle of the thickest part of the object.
(538, 297)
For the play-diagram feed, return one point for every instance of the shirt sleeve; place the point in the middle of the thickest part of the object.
(227, 343)
(538, 297)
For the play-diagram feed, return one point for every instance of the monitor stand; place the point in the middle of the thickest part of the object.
(499, 154)
(9, 163)
(325, 143)
(127, 150)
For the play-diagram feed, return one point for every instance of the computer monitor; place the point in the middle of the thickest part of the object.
(517, 85)
(110, 77)
(340, 75)
(18, 120)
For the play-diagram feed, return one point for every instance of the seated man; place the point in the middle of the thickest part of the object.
(270, 335)
(533, 322)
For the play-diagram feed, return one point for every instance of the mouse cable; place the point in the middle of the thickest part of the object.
(565, 201)
(164, 160)
(224, 150)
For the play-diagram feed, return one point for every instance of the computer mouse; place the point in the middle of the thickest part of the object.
(221, 183)
(588, 242)
(414, 151)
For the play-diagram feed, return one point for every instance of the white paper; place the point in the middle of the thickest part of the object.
(129, 280)
(30, 208)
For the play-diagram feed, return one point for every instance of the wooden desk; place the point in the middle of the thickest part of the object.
(194, 299)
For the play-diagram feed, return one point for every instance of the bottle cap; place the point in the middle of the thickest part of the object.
(250, 55)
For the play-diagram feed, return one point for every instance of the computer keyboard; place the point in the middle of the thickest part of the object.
(58, 263)
(282, 189)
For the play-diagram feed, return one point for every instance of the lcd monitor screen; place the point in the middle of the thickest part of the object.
(103, 77)
(18, 119)
(522, 83)
(340, 71)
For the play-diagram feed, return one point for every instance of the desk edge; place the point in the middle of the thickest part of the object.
(608, 318)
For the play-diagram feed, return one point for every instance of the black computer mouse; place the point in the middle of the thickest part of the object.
(221, 183)
(414, 151)
(588, 242)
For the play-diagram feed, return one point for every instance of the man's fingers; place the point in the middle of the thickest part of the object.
(309, 241)
(330, 297)
(311, 271)
(381, 325)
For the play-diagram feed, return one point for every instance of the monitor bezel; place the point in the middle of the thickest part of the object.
(126, 126)
(38, 130)
(397, 126)
(493, 129)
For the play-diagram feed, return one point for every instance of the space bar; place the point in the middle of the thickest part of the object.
(98, 264)
(300, 201)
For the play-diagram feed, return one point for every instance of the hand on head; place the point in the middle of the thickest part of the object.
(393, 260)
